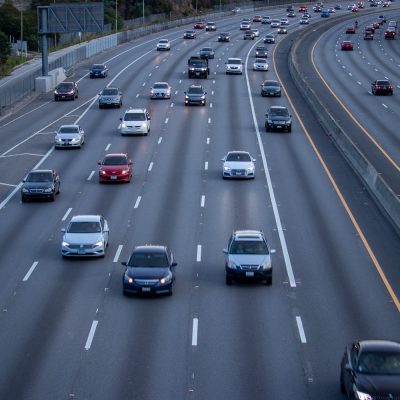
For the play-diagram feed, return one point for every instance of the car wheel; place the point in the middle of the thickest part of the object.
(342, 388)
(100, 106)
(53, 197)
(58, 190)
(23, 199)
(55, 99)
(170, 291)
(289, 129)
(228, 280)
(125, 293)
(267, 128)
(268, 281)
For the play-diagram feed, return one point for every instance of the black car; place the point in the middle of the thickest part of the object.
(195, 95)
(261, 52)
(150, 269)
(370, 369)
(191, 34)
(66, 91)
(271, 88)
(278, 118)
(270, 38)
(207, 52)
(382, 86)
(98, 71)
(40, 184)
(224, 37)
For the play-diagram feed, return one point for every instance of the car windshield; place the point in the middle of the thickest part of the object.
(206, 49)
(98, 66)
(110, 92)
(280, 112)
(135, 117)
(69, 129)
(40, 177)
(234, 61)
(160, 86)
(143, 260)
(84, 227)
(260, 49)
(189, 32)
(248, 247)
(197, 63)
(115, 160)
(163, 41)
(238, 157)
(65, 86)
(271, 83)
(196, 90)
(379, 363)
(260, 61)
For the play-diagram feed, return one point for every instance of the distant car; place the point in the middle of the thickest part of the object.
(291, 14)
(284, 21)
(199, 25)
(289, 8)
(150, 269)
(236, 10)
(306, 15)
(325, 14)
(354, 9)
(85, 235)
(224, 37)
(160, 90)
(189, 34)
(248, 257)
(338, 7)
(256, 32)
(135, 121)
(69, 136)
(275, 23)
(271, 88)
(98, 71)
(110, 97)
(351, 29)
(195, 95)
(304, 21)
(278, 118)
(390, 34)
(234, 66)
(244, 26)
(40, 184)
(266, 20)
(269, 38)
(238, 164)
(303, 9)
(376, 25)
(282, 29)
(260, 64)
(163, 44)
(382, 86)
(386, 4)
(370, 369)
(211, 26)
(368, 35)
(261, 52)
(382, 19)
(207, 52)
(66, 91)
(257, 18)
(115, 167)
(331, 10)
(347, 45)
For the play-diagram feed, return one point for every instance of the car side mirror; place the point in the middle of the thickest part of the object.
(124, 263)
(272, 251)
(347, 367)
(253, 159)
(106, 230)
(174, 264)
(63, 230)
(120, 119)
(225, 251)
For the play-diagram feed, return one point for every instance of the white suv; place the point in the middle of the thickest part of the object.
(135, 121)
(163, 44)
(234, 66)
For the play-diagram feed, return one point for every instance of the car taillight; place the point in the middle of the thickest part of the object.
(378, 87)
(390, 87)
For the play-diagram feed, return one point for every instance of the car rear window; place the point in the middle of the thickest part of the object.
(110, 92)
(281, 112)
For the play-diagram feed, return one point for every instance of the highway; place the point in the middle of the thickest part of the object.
(67, 332)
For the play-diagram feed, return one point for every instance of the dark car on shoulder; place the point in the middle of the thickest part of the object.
(277, 118)
(40, 184)
(370, 370)
(382, 86)
(66, 91)
(98, 71)
(150, 269)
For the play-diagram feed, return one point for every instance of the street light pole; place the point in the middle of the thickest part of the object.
(143, 10)
(116, 16)
(22, 29)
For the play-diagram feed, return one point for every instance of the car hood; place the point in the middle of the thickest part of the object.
(238, 164)
(37, 185)
(195, 95)
(278, 118)
(378, 384)
(157, 90)
(146, 273)
(249, 259)
(64, 90)
(83, 238)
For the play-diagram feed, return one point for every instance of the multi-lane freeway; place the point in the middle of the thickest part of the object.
(67, 332)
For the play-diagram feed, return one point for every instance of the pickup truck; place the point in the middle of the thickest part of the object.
(198, 67)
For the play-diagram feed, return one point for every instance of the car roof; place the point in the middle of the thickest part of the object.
(86, 218)
(238, 152)
(41, 171)
(379, 345)
(149, 249)
(69, 126)
(247, 234)
(235, 58)
(278, 108)
(116, 155)
(135, 110)
(269, 81)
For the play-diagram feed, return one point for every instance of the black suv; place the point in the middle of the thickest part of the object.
(261, 52)
(382, 86)
(271, 88)
(248, 257)
(224, 37)
(278, 118)
(370, 369)
(66, 91)
(98, 71)
(150, 269)
(40, 184)
(195, 95)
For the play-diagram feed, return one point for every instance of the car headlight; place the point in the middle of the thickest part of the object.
(128, 279)
(48, 190)
(25, 190)
(65, 244)
(99, 243)
(123, 125)
(102, 172)
(58, 139)
(152, 91)
(76, 139)
(267, 265)
(191, 69)
(125, 171)
(227, 169)
(250, 169)
(166, 279)
(232, 265)
(269, 121)
(187, 97)
(254, 65)
(203, 97)
(363, 396)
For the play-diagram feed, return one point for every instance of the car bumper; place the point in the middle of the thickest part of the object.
(234, 71)
(97, 75)
(281, 127)
(238, 175)
(195, 102)
(136, 288)
(258, 275)
(272, 94)
(86, 251)
(163, 48)
(133, 131)
(109, 103)
(67, 145)
(114, 178)
(37, 196)
(259, 68)
(160, 96)
(64, 97)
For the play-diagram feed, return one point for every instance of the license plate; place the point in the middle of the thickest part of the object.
(279, 126)
(113, 177)
(238, 173)
(197, 73)
(81, 251)
(249, 274)
(145, 289)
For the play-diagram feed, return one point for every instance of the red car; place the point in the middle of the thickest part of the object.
(350, 29)
(354, 9)
(116, 167)
(376, 25)
(257, 18)
(390, 34)
(303, 9)
(347, 45)
(200, 25)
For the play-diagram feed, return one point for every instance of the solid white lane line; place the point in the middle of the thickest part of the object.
(384, 105)
(301, 330)
(166, 120)
(91, 175)
(31, 269)
(203, 200)
(195, 331)
(91, 335)
(150, 167)
(159, 140)
(137, 202)
(66, 214)
(107, 147)
(198, 256)
(118, 253)
(206, 165)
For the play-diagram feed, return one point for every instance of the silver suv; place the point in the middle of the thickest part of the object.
(248, 257)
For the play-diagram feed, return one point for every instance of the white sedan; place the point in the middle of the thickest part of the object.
(238, 164)
(163, 44)
(260, 64)
(69, 136)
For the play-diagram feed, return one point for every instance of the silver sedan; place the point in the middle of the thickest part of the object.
(69, 136)
(238, 164)
(260, 64)
(160, 90)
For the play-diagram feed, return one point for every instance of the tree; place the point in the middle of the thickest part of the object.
(5, 49)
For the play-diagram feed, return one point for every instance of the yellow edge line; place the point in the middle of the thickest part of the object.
(339, 194)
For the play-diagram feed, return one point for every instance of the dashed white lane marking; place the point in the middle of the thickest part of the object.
(209, 120)
(212, 92)
(107, 147)
(149, 74)
(166, 120)
(359, 82)
(180, 80)
(172, 104)
(198, 255)
(195, 330)
(203, 201)
(137, 95)
(176, 92)
(91, 335)
(118, 253)
(31, 269)
(150, 166)
(301, 330)
(91, 175)
(137, 202)
(384, 105)
(208, 140)
(206, 165)
(66, 214)
(210, 105)
(159, 140)
(144, 84)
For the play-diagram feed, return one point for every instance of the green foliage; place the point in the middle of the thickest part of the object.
(5, 50)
